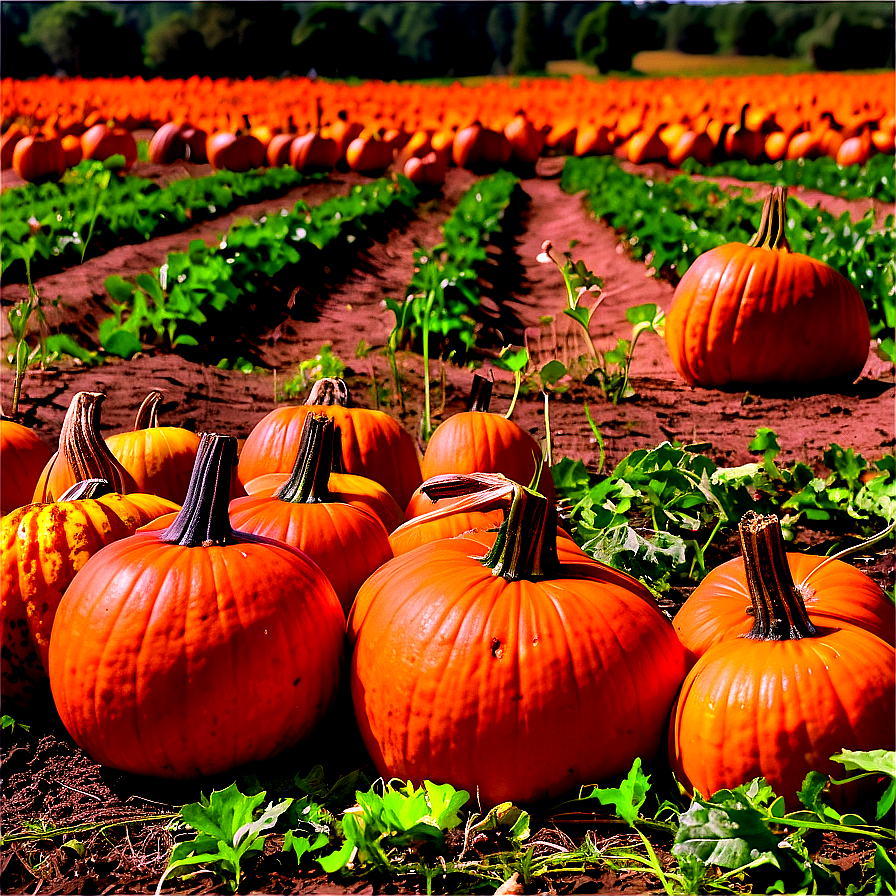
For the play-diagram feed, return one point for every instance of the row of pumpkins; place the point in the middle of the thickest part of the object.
(424, 155)
(191, 610)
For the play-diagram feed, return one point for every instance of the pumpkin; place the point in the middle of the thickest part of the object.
(23, 455)
(159, 458)
(757, 314)
(194, 649)
(425, 171)
(691, 145)
(277, 150)
(835, 595)
(368, 155)
(596, 140)
(38, 159)
(742, 142)
(346, 541)
(229, 152)
(480, 149)
(8, 142)
(856, 150)
(371, 442)
(526, 140)
(82, 453)
(477, 441)
(167, 144)
(521, 674)
(780, 701)
(312, 152)
(646, 146)
(101, 142)
(71, 146)
(43, 546)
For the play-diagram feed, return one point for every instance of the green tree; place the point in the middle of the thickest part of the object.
(87, 39)
(606, 38)
(528, 40)
(174, 48)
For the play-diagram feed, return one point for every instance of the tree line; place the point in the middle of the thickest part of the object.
(421, 40)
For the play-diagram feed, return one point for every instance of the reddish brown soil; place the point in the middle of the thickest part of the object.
(45, 776)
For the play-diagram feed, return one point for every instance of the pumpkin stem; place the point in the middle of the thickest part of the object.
(526, 546)
(87, 488)
(770, 234)
(329, 391)
(480, 394)
(308, 482)
(203, 520)
(148, 412)
(778, 609)
(82, 446)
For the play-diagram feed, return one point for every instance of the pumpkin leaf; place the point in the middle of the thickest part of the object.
(626, 799)
(873, 761)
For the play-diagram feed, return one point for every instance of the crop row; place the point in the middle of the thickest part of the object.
(671, 223)
(48, 226)
(443, 295)
(182, 303)
(876, 179)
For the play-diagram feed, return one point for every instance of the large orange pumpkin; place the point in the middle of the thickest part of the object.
(371, 443)
(835, 595)
(780, 701)
(759, 315)
(194, 649)
(43, 546)
(346, 541)
(159, 458)
(522, 674)
(23, 455)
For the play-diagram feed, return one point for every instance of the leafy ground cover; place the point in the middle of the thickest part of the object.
(47, 227)
(72, 826)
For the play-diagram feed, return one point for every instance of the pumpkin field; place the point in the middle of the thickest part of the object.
(418, 487)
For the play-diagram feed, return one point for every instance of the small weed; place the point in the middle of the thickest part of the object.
(324, 364)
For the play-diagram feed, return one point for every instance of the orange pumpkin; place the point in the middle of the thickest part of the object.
(758, 314)
(23, 456)
(101, 142)
(38, 159)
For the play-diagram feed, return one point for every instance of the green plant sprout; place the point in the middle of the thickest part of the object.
(610, 369)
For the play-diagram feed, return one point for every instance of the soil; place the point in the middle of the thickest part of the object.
(46, 777)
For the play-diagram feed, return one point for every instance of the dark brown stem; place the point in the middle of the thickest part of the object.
(779, 613)
(526, 546)
(87, 488)
(82, 446)
(329, 391)
(308, 482)
(148, 412)
(203, 520)
(770, 234)
(480, 394)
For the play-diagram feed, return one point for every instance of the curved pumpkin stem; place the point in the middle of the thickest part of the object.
(778, 608)
(848, 552)
(770, 234)
(148, 412)
(87, 488)
(203, 520)
(329, 391)
(310, 473)
(82, 446)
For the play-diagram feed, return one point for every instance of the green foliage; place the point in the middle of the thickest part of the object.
(172, 305)
(8, 723)
(876, 179)
(323, 364)
(659, 510)
(671, 223)
(529, 40)
(606, 38)
(444, 288)
(50, 225)
(229, 830)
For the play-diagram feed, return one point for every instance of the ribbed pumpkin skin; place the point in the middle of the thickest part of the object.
(159, 458)
(177, 662)
(347, 543)
(428, 531)
(750, 316)
(482, 442)
(522, 689)
(43, 546)
(373, 445)
(780, 709)
(359, 491)
(23, 455)
(840, 596)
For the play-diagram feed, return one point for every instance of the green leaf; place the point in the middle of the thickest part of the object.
(876, 761)
(580, 314)
(628, 798)
(512, 361)
(552, 372)
(64, 344)
(118, 341)
(642, 313)
(119, 289)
